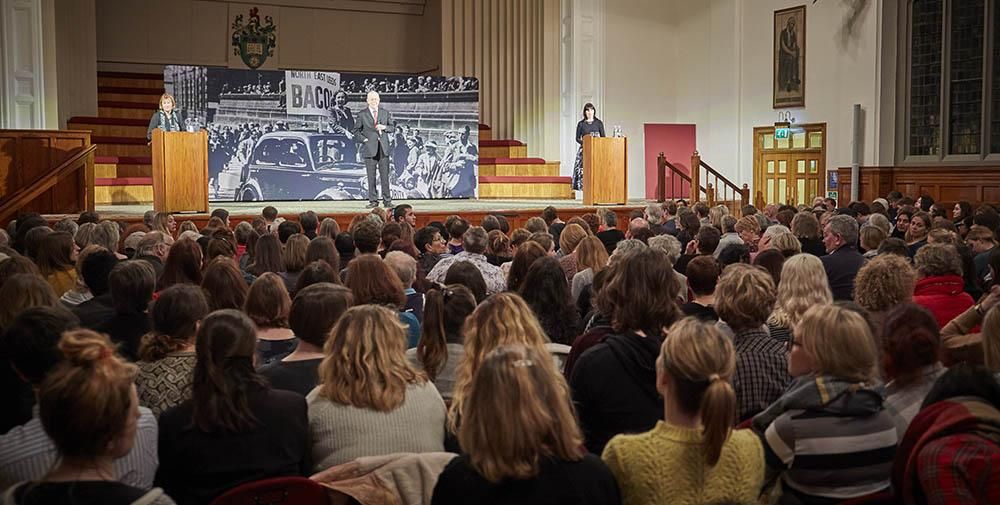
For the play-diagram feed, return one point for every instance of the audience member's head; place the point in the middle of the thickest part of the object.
(871, 237)
(267, 256)
(523, 259)
(267, 302)
(316, 309)
(806, 226)
(132, 284)
(498, 245)
(536, 225)
(910, 341)
(703, 275)
(646, 288)
(744, 297)
(224, 285)
(668, 245)
(367, 237)
(840, 231)
(329, 228)
(474, 240)
(365, 365)
(803, 284)
(404, 265)
(893, 246)
(373, 282)
(934, 260)
(733, 254)
(30, 340)
(295, 252)
(834, 341)
(96, 268)
(174, 318)
(884, 282)
(468, 275)
(23, 291)
(183, 265)
(287, 229)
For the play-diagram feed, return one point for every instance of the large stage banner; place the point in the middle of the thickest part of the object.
(287, 135)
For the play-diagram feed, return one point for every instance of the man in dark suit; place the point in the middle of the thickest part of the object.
(371, 130)
(840, 237)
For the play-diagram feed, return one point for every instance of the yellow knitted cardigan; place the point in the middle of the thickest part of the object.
(667, 465)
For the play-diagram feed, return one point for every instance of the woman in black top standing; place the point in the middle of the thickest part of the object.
(589, 125)
(166, 118)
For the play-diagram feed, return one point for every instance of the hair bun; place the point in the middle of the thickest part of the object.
(85, 347)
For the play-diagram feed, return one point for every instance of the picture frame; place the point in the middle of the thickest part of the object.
(790, 57)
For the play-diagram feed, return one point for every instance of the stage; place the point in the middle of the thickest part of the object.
(516, 211)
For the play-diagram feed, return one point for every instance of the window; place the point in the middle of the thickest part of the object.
(952, 98)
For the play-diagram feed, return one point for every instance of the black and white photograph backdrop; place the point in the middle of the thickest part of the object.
(286, 135)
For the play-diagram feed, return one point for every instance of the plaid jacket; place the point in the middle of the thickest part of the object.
(761, 370)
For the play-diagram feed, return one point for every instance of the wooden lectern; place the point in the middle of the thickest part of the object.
(180, 171)
(605, 170)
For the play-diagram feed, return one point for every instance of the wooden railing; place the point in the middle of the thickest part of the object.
(704, 183)
(12, 203)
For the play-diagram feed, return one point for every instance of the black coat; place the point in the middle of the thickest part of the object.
(154, 123)
(841, 268)
(614, 388)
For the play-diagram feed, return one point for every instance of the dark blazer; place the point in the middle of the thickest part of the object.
(366, 134)
(841, 267)
(154, 123)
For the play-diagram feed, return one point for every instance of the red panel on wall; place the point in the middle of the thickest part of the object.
(677, 143)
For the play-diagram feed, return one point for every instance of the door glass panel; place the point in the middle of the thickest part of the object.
(783, 190)
(801, 193)
(770, 191)
(782, 167)
(815, 140)
(800, 166)
(783, 143)
(768, 140)
(799, 140)
(813, 189)
(770, 166)
(812, 166)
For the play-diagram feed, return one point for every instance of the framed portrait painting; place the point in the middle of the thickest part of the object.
(790, 57)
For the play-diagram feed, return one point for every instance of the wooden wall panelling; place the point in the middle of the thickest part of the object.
(946, 185)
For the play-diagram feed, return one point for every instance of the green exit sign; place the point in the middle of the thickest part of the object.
(782, 133)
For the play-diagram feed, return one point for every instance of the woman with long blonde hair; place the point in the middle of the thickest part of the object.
(803, 284)
(520, 439)
(370, 401)
(591, 257)
(706, 461)
(502, 319)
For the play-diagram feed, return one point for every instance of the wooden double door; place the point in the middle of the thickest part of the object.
(789, 170)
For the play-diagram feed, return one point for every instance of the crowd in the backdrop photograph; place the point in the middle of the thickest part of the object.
(679, 353)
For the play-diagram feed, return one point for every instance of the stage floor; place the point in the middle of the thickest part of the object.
(328, 207)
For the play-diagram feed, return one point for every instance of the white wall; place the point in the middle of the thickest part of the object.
(639, 83)
(724, 79)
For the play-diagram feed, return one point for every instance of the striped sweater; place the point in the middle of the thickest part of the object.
(831, 441)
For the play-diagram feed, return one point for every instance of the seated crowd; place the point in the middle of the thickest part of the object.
(787, 355)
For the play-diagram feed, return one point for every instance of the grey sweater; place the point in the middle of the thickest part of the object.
(343, 433)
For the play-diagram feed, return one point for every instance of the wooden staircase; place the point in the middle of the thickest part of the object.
(123, 172)
(506, 171)
(702, 184)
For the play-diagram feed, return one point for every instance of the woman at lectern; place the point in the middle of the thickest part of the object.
(166, 118)
(589, 125)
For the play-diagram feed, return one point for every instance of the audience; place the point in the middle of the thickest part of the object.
(657, 398)
(314, 312)
(692, 456)
(167, 355)
(614, 382)
(235, 428)
(95, 384)
(365, 380)
(520, 439)
(268, 305)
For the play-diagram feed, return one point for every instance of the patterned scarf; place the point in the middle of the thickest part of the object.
(811, 392)
(169, 121)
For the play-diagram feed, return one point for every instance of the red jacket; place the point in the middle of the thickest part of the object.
(943, 295)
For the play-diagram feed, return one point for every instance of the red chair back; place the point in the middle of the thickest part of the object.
(279, 490)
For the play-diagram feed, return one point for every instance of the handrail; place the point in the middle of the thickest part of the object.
(23, 196)
(719, 176)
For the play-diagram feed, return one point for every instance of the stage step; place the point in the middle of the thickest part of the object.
(485, 132)
(130, 80)
(121, 146)
(518, 167)
(502, 149)
(110, 126)
(125, 94)
(123, 190)
(499, 187)
(125, 109)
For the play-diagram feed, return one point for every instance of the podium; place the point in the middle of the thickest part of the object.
(605, 172)
(180, 171)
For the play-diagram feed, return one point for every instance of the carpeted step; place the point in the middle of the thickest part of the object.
(518, 167)
(123, 181)
(130, 79)
(110, 126)
(485, 132)
(552, 187)
(126, 109)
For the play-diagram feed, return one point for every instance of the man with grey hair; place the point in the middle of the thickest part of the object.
(370, 132)
(153, 249)
(626, 247)
(654, 216)
(148, 217)
(729, 235)
(474, 249)
(406, 268)
(672, 248)
(840, 237)
(67, 225)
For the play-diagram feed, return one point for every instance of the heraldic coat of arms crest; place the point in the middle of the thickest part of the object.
(253, 42)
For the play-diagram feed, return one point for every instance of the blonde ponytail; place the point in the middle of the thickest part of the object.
(718, 411)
